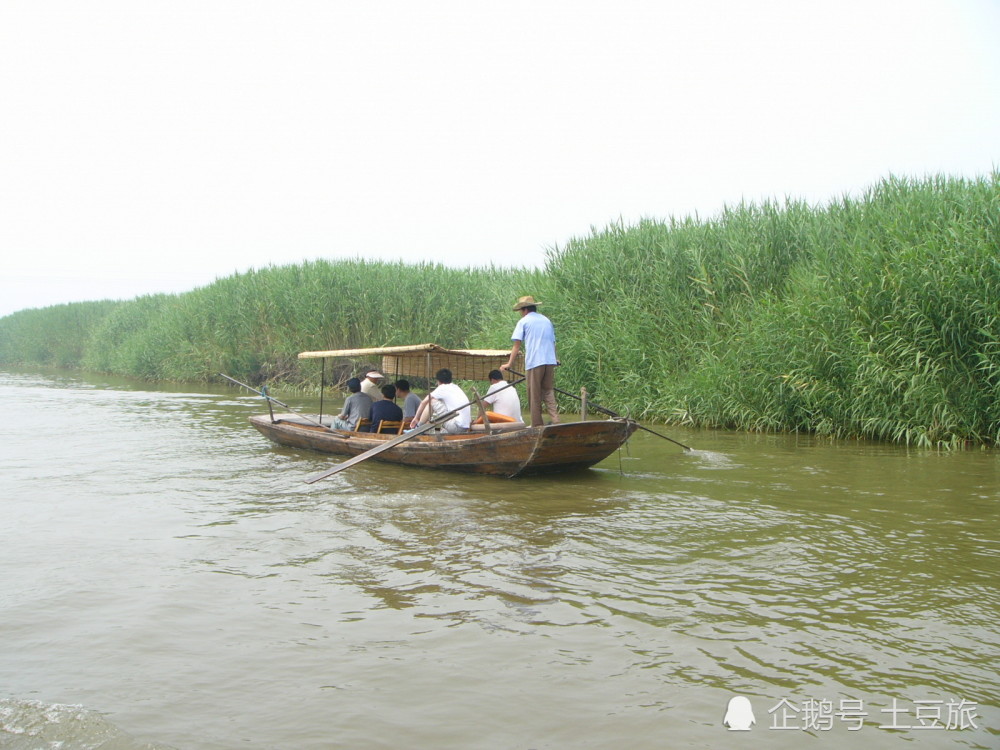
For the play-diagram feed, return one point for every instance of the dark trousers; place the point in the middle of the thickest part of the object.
(541, 387)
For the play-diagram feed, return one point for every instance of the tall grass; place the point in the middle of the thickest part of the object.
(876, 316)
(57, 336)
(254, 324)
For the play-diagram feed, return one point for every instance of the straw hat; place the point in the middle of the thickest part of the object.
(374, 375)
(528, 301)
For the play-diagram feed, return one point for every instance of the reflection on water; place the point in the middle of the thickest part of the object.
(175, 571)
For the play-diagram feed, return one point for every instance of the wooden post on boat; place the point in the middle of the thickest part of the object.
(583, 404)
(482, 412)
(263, 393)
(267, 397)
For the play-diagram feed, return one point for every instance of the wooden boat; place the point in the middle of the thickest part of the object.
(506, 450)
(506, 453)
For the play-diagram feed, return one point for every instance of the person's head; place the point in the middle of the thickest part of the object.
(402, 386)
(354, 385)
(527, 305)
(389, 392)
(374, 376)
(443, 375)
(495, 375)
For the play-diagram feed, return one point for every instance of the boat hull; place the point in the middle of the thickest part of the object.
(531, 450)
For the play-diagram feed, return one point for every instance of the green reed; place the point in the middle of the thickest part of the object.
(57, 336)
(876, 316)
(253, 324)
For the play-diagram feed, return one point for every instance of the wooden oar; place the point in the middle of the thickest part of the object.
(374, 451)
(270, 399)
(598, 407)
(397, 440)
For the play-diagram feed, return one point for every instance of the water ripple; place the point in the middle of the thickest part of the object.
(169, 557)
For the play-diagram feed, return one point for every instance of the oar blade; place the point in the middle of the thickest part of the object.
(660, 435)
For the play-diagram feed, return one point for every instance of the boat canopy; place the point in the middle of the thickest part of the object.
(423, 360)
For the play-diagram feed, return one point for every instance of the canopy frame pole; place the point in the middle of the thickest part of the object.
(322, 387)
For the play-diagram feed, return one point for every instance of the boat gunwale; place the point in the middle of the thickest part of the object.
(435, 437)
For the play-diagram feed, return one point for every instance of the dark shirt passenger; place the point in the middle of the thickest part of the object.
(385, 409)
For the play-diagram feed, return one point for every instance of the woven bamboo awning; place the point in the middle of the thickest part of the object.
(423, 360)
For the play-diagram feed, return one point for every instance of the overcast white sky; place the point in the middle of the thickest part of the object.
(151, 145)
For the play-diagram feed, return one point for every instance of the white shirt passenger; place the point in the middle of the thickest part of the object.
(373, 389)
(505, 402)
(448, 396)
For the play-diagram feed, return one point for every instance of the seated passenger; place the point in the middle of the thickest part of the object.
(385, 408)
(356, 407)
(443, 399)
(505, 402)
(411, 401)
(370, 385)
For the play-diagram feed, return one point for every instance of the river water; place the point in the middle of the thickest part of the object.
(169, 581)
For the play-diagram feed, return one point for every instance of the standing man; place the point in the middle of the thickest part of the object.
(538, 336)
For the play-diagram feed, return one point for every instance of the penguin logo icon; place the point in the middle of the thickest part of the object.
(739, 714)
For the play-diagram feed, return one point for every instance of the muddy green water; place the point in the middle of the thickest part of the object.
(168, 580)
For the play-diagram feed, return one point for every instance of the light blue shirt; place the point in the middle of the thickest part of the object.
(538, 337)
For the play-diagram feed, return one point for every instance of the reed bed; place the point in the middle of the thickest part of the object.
(876, 316)
(252, 325)
(55, 336)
